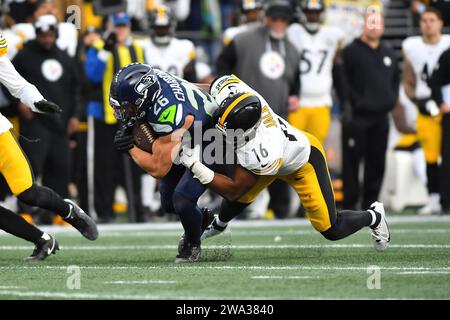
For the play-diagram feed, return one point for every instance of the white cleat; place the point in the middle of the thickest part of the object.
(380, 234)
(212, 230)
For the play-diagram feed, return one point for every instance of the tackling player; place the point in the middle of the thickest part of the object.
(421, 53)
(17, 172)
(170, 105)
(271, 149)
(320, 48)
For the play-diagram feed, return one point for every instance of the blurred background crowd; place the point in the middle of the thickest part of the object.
(314, 69)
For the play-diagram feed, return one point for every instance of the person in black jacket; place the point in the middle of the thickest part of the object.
(372, 73)
(440, 86)
(45, 137)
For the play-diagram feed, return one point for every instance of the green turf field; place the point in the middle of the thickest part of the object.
(252, 260)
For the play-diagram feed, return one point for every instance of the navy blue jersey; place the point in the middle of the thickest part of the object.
(177, 100)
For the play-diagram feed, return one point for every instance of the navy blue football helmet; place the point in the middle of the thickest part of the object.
(134, 91)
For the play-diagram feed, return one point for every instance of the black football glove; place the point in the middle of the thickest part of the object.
(124, 139)
(47, 106)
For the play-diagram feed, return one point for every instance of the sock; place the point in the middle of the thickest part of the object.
(190, 216)
(45, 236)
(220, 223)
(348, 222)
(14, 224)
(376, 218)
(230, 210)
(45, 198)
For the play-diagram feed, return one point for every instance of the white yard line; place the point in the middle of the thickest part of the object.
(283, 277)
(100, 295)
(126, 282)
(232, 267)
(423, 272)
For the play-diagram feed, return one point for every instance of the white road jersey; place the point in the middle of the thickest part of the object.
(277, 148)
(317, 51)
(16, 85)
(423, 58)
(172, 58)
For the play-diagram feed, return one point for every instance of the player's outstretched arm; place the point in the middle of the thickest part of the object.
(231, 189)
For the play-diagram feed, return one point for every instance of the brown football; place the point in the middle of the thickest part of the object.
(143, 136)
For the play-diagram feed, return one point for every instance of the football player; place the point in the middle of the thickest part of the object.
(170, 106)
(320, 48)
(271, 149)
(421, 53)
(252, 11)
(17, 172)
(166, 52)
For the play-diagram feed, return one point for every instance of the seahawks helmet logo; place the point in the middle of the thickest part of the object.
(145, 82)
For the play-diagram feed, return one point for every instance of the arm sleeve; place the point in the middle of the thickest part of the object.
(17, 85)
(95, 65)
(227, 59)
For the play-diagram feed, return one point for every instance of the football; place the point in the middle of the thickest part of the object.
(143, 136)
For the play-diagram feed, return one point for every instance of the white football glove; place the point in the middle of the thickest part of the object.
(190, 158)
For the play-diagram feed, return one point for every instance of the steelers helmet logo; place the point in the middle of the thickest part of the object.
(52, 70)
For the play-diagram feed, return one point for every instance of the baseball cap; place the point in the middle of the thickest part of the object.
(279, 9)
(121, 19)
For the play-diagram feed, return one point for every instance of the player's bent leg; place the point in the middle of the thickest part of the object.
(347, 222)
(46, 198)
(313, 185)
(14, 224)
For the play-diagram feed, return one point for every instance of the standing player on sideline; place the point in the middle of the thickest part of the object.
(252, 11)
(320, 48)
(268, 148)
(421, 53)
(16, 170)
(164, 51)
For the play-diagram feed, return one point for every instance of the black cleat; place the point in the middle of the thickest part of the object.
(43, 249)
(81, 221)
(208, 217)
(189, 253)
